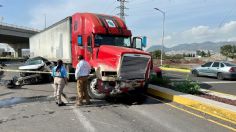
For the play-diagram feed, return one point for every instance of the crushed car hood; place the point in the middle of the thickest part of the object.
(31, 67)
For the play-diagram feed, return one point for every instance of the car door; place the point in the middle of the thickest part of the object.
(204, 69)
(214, 69)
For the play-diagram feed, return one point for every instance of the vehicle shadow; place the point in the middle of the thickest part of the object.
(126, 99)
(205, 86)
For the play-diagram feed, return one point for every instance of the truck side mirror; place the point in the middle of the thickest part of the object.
(144, 41)
(137, 43)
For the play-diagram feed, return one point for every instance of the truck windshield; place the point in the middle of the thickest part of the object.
(112, 40)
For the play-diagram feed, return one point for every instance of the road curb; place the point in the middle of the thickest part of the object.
(175, 69)
(217, 109)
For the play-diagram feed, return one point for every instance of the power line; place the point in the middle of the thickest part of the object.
(109, 6)
(122, 9)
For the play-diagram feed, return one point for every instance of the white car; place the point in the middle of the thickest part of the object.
(219, 69)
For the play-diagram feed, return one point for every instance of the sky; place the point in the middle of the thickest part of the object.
(187, 21)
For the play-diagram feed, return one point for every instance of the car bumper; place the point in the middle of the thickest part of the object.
(230, 75)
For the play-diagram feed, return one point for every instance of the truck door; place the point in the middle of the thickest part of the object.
(89, 49)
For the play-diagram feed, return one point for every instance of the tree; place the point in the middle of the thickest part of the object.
(157, 54)
(203, 54)
(228, 51)
(208, 53)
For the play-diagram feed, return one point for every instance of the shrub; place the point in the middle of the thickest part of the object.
(159, 80)
(187, 86)
(166, 65)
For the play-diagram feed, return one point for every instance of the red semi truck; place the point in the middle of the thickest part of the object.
(118, 64)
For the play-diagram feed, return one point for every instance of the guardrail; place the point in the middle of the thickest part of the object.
(18, 27)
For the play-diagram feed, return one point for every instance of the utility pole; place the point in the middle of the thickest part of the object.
(163, 33)
(122, 9)
(1, 18)
(45, 21)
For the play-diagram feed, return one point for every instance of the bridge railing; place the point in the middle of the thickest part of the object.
(19, 27)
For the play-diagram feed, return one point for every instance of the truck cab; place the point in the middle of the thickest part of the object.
(106, 43)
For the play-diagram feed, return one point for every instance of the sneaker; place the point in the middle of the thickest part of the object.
(78, 104)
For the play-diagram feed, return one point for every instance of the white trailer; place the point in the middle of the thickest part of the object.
(54, 42)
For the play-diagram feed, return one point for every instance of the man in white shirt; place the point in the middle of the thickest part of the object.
(81, 75)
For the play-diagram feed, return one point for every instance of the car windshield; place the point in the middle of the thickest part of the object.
(33, 62)
(230, 64)
(112, 40)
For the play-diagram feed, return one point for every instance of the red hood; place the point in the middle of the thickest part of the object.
(110, 55)
(116, 50)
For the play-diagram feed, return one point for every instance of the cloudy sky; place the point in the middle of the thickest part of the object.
(187, 21)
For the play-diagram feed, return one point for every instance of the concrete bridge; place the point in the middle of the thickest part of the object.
(16, 36)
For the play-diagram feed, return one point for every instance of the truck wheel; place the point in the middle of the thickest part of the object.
(93, 91)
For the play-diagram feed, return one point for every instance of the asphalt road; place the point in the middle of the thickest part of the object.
(32, 108)
(223, 86)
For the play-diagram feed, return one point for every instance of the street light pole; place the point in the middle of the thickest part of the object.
(1, 19)
(163, 33)
(45, 21)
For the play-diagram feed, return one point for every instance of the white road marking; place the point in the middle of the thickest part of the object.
(85, 122)
(222, 95)
(208, 82)
(219, 82)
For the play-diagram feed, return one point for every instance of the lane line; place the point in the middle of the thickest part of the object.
(85, 122)
(219, 82)
(80, 116)
(221, 93)
(199, 116)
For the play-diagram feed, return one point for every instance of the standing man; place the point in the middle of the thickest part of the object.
(81, 75)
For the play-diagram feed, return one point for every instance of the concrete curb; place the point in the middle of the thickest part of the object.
(176, 70)
(217, 109)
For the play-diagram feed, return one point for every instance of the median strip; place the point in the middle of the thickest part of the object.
(175, 69)
(217, 109)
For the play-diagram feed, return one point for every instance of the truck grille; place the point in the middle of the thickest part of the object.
(133, 67)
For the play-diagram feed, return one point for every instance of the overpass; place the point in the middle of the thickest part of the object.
(16, 36)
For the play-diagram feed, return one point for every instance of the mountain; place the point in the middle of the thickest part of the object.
(214, 46)
(156, 47)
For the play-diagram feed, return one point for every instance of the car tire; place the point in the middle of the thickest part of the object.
(195, 73)
(220, 76)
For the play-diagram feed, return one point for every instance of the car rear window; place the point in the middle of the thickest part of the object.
(222, 65)
(230, 64)
(216, 64)
(208, 64)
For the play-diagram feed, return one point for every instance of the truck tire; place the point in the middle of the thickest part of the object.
(93, 91)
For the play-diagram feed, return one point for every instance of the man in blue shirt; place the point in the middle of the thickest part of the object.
(81, 75)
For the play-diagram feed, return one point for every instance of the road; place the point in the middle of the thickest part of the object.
(223, 86)
(31, 108)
